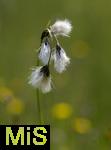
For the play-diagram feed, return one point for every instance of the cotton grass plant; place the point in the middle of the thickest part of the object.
(40, 77)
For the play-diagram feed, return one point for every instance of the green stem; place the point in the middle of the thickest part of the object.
(55, 38)
(38, 107)
(38, 102)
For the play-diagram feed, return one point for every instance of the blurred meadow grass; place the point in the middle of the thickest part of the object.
(79, 107)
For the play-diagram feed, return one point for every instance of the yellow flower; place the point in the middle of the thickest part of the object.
(5, 93)
(82, 125)
(15, 106)
(62, 111)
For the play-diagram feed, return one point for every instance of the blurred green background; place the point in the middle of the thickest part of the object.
(79, 107)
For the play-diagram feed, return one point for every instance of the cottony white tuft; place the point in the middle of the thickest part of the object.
(40, 79)
(61, 27)
(46, 85)
(44, 53)
(36, 77)
(61, 60)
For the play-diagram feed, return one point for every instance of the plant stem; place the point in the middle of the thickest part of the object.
(55, 38)
(38, 107)
(38, 102)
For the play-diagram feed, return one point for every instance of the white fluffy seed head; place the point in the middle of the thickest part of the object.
(46, 85)
(61, 27)
(44, 53)
(37, 79)
(61, 60)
